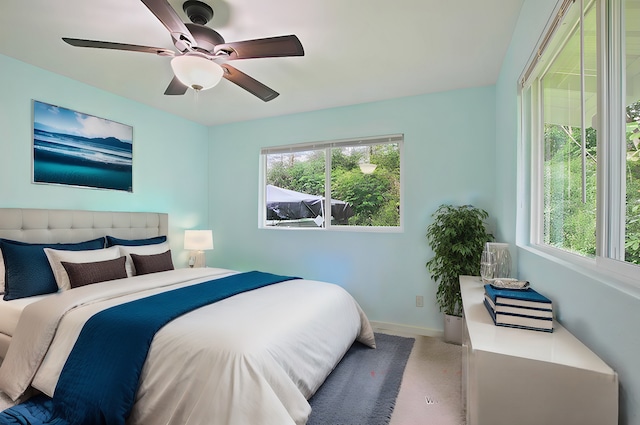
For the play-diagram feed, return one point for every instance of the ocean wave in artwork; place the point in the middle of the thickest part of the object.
(107, 152)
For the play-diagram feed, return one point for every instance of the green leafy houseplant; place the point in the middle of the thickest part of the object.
(457, 237)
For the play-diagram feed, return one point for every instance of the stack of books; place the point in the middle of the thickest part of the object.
(519, 308)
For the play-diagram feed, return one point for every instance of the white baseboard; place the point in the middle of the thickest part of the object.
(395, 328)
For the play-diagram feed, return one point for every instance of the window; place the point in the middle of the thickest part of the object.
(360, 176)
(631, 149)
(581, 115)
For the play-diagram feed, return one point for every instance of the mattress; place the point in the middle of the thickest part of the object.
(255, 364)
(9, 315)
(10, 312)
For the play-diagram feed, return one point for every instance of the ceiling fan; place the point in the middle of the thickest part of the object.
(201, 60)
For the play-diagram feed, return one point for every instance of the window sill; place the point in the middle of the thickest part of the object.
(602, 271)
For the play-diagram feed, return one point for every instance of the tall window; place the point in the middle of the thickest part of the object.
(631, 101)
(361, 177)
(569, 102)
(581, 111)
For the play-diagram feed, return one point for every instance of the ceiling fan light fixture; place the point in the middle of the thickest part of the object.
(196, 71)
(367, 168)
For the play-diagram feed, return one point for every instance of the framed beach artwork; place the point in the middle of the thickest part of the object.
(76, 149)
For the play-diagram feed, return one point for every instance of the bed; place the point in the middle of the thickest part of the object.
(255, 357)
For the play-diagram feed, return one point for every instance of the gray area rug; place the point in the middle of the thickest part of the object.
(363, 388)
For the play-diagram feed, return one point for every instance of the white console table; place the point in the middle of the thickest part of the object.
(523, 377)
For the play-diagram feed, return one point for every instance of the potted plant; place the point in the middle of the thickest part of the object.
(457, 237)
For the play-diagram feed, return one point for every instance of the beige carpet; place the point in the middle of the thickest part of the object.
(430, 393)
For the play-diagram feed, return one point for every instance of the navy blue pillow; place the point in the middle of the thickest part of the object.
(27, 269)
(111, 241)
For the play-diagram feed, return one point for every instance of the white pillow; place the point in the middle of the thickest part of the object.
(57, 256)
(126, 250)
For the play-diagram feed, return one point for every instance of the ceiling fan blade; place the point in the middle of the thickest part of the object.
(118, 46)
(272, 47)
(250, 84)
(167, 15)
(175, 88)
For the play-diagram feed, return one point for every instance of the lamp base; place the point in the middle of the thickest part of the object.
(197, 259)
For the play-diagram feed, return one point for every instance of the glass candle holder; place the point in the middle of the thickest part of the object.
(487, 265)
(502, 259)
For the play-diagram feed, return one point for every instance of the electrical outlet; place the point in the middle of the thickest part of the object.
(419, 301)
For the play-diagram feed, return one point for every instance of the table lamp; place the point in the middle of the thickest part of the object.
(197, 241)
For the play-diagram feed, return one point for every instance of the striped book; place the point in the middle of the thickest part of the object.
(519, 321)
(543, 313)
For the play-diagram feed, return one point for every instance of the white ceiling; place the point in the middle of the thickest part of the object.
(355, 50)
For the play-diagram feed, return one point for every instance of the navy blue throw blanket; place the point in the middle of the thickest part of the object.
(99, 381)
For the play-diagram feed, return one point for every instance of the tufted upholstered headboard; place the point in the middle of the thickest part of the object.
(65, 226)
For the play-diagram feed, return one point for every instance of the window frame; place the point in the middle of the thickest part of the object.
(611, 190)
(327, 146)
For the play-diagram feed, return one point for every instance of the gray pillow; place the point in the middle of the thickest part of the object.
(81, 274)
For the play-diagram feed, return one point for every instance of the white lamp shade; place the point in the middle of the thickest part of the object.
(198, 240)
(196, 71)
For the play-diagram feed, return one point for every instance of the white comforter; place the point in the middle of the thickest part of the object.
(254, 358)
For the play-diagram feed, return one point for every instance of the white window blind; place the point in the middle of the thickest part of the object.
(537, 55)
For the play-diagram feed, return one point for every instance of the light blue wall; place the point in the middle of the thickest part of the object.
(161, 183)
(593, 308)
(448, 158)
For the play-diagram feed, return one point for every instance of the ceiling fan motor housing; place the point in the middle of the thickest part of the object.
(207, 38)
(197, 11)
